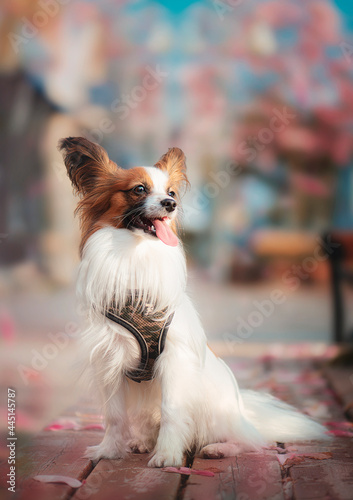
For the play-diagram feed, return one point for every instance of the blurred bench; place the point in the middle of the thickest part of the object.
(338, 247)
(277, 243)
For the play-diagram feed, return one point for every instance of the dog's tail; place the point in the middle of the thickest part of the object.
(278, 421)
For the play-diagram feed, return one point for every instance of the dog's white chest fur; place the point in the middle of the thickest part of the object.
(116, 261)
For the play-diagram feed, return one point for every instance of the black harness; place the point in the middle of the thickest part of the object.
(150, 329)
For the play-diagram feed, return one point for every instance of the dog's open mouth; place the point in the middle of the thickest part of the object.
(156, 227)
(143, 223)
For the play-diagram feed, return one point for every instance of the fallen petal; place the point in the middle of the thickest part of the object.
(290, 459)
(63, 424)
(207, 473)
(178, 470)
(340, 433)
(294, 460)
(339, 424)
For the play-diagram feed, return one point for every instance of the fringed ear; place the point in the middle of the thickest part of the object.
(87, 163)
(174, 162)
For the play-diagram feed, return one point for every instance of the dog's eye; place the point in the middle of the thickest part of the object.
(140, 189)
(171, 193)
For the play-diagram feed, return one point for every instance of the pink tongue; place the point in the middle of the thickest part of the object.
(164, 232)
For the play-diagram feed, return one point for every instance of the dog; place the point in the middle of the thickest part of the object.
(163, 390)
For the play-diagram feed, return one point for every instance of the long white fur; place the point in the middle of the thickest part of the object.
(194, 399)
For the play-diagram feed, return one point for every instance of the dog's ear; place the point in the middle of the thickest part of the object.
(174, 163)
(87, 163)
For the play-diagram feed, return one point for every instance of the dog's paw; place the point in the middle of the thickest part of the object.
(166, 459)
(138, 446)
(212, 451)
(220, 450)
(103, 450)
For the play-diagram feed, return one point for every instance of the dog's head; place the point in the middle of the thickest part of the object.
(142, 199)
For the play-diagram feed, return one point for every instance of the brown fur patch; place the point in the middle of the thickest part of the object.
(87, 164)
(109, 207)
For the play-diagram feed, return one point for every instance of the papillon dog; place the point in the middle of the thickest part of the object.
(163, 390)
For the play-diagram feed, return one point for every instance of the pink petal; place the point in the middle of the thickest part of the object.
(55, 427)
(188, 471)
(207, 473)
(296, 458)
(63, 424)
(178, 470)
(290, 459)
(71, 424)
(339, 424)
(70, 481)
(294, 461)
(7, 326)
(339, 433)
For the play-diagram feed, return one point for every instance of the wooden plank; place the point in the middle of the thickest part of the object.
(259, 476)
(317, 479)
(333, 479)
(53, 452)
(312, 483)
(128, 479)
(221, 486)
(248, 476)
(252, 475)
(34, 490)
(324, 479)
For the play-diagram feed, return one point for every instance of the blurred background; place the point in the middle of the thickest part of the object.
(258, 94)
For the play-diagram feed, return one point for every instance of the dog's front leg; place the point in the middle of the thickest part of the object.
(177, 425)
(116, 427)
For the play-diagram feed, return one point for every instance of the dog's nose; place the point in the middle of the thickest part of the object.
(169, 204)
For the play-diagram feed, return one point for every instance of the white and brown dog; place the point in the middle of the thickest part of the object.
(163, 390)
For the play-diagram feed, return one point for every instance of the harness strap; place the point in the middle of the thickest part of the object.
(150, 330)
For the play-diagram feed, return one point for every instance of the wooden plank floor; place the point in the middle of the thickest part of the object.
(323, 392)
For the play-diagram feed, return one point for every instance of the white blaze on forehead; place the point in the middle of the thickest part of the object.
(153, 206)
(155, 209)
(159, 179)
